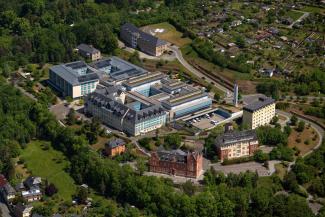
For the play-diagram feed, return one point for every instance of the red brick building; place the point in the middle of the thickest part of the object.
(176, 162)
(236, 144)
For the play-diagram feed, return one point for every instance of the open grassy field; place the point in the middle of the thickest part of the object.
(295, 14)
(313, 9)
(49, 164)
(169, 33)
(243, 79)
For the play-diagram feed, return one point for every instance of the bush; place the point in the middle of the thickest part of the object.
(261, 157)
(237, 160)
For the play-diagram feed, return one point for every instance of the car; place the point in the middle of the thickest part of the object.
(194, 121)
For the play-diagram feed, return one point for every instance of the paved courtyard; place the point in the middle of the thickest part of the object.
(60, 111)
(238, 168)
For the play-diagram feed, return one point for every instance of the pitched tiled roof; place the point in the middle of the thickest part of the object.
(87, 48)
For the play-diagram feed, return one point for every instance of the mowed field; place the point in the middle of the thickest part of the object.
(49, 164)
(168, 33)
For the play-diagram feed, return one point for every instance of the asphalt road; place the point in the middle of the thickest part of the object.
(188, 66)
(318, 129)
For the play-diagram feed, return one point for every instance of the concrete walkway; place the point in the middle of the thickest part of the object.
(305, 14)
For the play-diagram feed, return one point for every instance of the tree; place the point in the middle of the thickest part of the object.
(71, 117)
(216, 96)
(173, 140)
(301, 126)
(293, 120)
(141, 166)
(188, 188)
(260, 156)
(50, 190)
(82, 195)
(274, 120)
(43, 210)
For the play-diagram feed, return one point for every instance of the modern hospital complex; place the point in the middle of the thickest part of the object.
(127, 97)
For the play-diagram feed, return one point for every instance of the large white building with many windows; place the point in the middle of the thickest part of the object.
(74, 79)
(259, 113)
(126, 111)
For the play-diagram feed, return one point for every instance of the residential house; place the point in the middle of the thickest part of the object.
(6, 190)
(30, 190)
(21, 210)
(89, 52)
(115, 147)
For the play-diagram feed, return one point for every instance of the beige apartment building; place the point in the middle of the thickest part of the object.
(259, 113)
(89, 52)
(236, 144)
(141, 40)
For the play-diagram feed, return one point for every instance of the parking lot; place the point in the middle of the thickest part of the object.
(206, 121)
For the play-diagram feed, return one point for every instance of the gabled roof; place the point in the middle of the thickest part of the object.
(143, 35)
(87, 48)
(32, 181)
(234, 137)
(115, 143)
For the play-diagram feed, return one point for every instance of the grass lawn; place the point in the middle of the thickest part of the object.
(280, 170)
(243, 79)
(236, 5)
(313, 9)
(49, 164)
(169, 33)
(295, 14)
(306, 135)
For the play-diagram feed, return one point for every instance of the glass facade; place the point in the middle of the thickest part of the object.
(150, 124)
(192, 109)
(87, 88)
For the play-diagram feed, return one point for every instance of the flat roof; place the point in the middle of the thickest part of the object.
(186, 94)
(120, 69)
(144, 79)
(68, 72)
(260, 103)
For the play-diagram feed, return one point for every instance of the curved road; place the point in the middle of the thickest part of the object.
(188, 66)
(318, 129)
